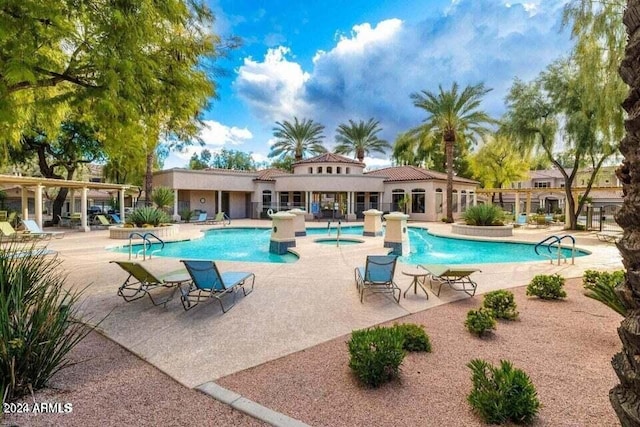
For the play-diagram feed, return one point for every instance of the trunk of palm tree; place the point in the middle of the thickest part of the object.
(448, 150)
(148, 178)
(625, 397)
(360, 155)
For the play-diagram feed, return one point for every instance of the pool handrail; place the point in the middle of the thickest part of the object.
(557, 240)
(145, 241)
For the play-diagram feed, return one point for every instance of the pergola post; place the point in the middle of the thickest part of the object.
(516, 207)
(38, 205)
(25, 203)
(176, 217)
(219, 207)
(121, 195)
(84, 226)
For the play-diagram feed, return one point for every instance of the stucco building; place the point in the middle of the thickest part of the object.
(325, 186)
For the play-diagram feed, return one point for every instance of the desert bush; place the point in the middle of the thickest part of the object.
(480, 321)
(502, 394)
(484, 215)
(547, 286)
(502, 303)
(148, 215)
(37, 327)
(414, 337)
(601, 285)
(162, 197)
(376, 354)
(186, 215)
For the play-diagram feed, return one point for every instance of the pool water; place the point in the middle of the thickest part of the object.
(225, 244)
(252, 244)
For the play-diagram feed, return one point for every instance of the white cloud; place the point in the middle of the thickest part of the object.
(215, 136)
(272, 88)
(373, 163)
(372, 71)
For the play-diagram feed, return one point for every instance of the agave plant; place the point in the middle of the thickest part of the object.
(148, 216)
(163, 197)
(484, 215)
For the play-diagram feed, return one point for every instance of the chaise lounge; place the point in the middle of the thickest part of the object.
(456, 277)
(141, 282)
(208, 282)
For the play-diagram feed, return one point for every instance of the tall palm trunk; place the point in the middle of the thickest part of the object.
(360, 155)
(148, 177)
(625, 397)
(448, 150)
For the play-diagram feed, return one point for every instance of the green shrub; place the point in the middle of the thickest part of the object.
(162, 197)
(37, 329)
(547, 286)
(480, 321)
(601, 285)
(186, 215)
(502, 304)
(484, 215)
(414, 337)
(376, 354)
(502, 394)
(148, 215)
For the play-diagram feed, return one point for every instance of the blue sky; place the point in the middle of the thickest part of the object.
(332, 61)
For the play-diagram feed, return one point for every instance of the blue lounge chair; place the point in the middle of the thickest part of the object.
(116, 218)
(377, 276)
(32, 227)
(202, 217)
(208, 282)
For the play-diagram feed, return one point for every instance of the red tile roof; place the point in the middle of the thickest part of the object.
(414, 173)
(270, 174)
(329, 158)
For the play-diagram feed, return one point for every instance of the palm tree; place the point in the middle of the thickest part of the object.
(297, 139)
(360, 138)
(625, 397)
(454, 118)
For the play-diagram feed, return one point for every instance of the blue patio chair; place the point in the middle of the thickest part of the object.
(116, 218)
(32, 227)
(208, 282)
(202, 217)
(377, 276)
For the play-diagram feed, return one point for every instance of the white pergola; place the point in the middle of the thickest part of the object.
(38, 184)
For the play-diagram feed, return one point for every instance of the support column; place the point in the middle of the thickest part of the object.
(121, 195)
(219, 207)
(516, 207)
(38, 205)
(25, 203)
(84, 226)
(72, 205)
(475, 199)
(175, 202)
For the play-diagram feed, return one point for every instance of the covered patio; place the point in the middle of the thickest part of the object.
(37, 185)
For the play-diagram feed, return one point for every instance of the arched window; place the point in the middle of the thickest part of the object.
(329, 169)
(396, 196)
(439, 209)
(454, 201)
(347, 171)
(319, 169)
(338, 170)
(463, 200)
(418, 200)
(311, 170)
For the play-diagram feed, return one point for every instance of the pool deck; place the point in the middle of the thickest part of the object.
(293, 307)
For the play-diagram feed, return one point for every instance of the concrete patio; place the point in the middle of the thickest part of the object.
(293, 307)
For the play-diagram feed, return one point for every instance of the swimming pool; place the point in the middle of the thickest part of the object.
(252, 244)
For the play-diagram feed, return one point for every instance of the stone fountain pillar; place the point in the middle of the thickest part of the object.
(299, 226)
(372, 223)
(396, 236)
(283, 235)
